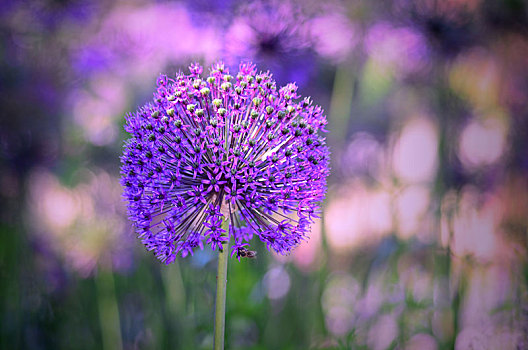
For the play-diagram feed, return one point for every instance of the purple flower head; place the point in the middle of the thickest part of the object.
(224, 147)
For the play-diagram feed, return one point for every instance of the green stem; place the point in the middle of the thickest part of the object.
(176, 303)
(221, 282)
(341, 103)
(108, 310)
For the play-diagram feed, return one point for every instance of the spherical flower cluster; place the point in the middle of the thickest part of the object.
(223, 147)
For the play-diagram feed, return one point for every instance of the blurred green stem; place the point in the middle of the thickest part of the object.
(221, 283)
(108, 310)
(341, 103)
(176, 302)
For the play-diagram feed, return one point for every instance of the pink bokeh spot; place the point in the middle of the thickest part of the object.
(401, 49)
(415, 157)
(85, 225)
(334, 35)
(482, 142)
(357, 215)
(475, 226)
(412, 205)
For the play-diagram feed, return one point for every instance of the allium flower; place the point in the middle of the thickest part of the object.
(274, 34)
(222, 147)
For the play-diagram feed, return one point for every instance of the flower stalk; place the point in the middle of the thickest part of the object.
(221, 284)
(108, 310)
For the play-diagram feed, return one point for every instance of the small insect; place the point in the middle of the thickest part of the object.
(245, 253)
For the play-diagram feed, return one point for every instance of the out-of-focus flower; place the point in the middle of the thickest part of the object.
(274, 35)
(358, 215)
(338, 301)
(415, 157)
(86, 225)
(448, 25)
(364, 155)
(476, 76)
(412, 206)
(129, 41)
(383, 332)
(401, 50)
(96, 109)
(277, 282)
(132, 44)
(482, 142)
(224, 147)
(332, 33)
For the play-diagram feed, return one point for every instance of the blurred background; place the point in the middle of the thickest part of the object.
(424, 234)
